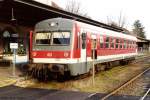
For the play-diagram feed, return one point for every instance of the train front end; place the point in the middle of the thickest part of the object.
(52, 46)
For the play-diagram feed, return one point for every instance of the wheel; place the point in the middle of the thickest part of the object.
(60, 77)
(67, 75)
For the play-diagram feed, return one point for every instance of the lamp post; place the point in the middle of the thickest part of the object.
(14, 63)
(13, 46)
(93, 72)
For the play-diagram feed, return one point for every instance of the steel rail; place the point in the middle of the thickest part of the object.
(145, 94)
(125, 84)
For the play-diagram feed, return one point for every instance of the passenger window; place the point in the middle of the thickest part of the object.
(117, 43)
(107, 42)
(101, 40)
(83, 40)
(121, 43)
(128, 44)
(132, 44)
(112, 43)
(125, 44)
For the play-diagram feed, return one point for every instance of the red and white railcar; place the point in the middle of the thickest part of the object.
(64, 45)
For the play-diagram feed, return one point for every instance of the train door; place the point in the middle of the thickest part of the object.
(93, 47)
(83, 50)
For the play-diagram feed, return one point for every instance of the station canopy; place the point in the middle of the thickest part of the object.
(140, 39)
(29, 12)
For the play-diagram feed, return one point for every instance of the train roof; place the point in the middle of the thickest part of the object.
(58, 19)
(95, 29)
(54, 24)
(107, 32)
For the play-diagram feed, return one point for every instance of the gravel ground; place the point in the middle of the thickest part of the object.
(138, 87)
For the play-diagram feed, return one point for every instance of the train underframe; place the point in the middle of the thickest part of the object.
(45, 72)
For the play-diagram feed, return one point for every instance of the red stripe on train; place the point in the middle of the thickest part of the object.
(56, 54)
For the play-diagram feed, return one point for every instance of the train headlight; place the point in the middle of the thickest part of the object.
(34, 54)
(66, 54)
(52, 24)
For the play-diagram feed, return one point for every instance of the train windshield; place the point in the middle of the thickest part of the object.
(61, 38)
(52, 38)
(43, 38)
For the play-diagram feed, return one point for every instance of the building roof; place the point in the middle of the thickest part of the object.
(29, 12)
(140, 39)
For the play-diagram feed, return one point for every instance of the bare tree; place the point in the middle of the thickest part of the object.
(74, 6)
(120, 22)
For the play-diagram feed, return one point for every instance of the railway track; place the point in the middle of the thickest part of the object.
(148, 91)
(140, 59)
(125, 85)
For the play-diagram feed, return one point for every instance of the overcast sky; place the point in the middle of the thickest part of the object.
(131, 9)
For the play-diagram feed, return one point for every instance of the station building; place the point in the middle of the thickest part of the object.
(18, 18)
(143, 45)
